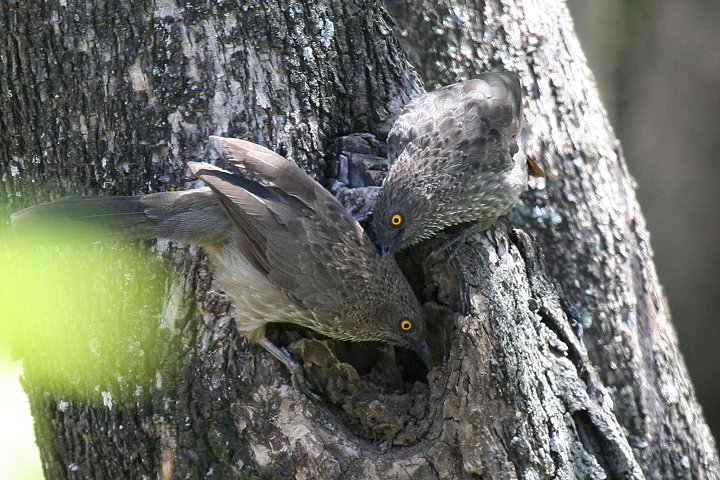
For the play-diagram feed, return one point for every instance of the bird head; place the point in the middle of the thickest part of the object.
(399, 317)
(399, 217)
(408, 331)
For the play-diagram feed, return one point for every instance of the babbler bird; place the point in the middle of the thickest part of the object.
(284, 250)
(454, 153)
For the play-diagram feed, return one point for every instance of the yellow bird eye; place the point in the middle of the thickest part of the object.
(406, 325)
(396, 220)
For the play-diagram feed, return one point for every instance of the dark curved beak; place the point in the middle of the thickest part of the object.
(423, 351)
(384, 250)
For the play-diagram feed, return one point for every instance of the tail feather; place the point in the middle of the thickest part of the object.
(78, 217)
(193, 216)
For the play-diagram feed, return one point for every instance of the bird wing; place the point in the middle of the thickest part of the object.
(476, 121)
(292, 242)
(270, 166)
(246, 205)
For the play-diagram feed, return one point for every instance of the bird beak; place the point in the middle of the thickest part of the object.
(423, 351)
(387, 248)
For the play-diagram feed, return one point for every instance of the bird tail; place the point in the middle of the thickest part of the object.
(191, 216)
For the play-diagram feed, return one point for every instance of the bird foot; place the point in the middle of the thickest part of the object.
(297, 375)
(301, 384)
(458, 239)
(435, 256)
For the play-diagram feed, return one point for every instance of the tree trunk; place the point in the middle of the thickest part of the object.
(674, 156)
(555, 356)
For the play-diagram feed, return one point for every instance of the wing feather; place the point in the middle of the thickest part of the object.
(270, 166)
(293, 242)
(478, 124)
(245, 204)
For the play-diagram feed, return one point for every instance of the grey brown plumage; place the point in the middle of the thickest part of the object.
(455, 160)
(284, 249)
(171, 215)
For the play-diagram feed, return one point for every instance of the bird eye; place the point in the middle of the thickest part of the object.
(406, 325)
(396, 220)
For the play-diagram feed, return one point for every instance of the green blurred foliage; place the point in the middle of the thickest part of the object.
(83, 315)
(19, 457)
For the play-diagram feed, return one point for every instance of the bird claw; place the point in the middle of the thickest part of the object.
(458, 239)
(301, 384)
(434, 256)
(297, 375)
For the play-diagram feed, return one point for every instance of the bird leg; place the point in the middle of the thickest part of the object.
(455, 240)
(296, 371)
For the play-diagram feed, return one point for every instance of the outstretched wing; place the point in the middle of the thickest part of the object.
(286, 230)
(256, 212)
(270, 166)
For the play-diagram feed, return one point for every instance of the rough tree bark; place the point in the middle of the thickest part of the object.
(565, 367)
